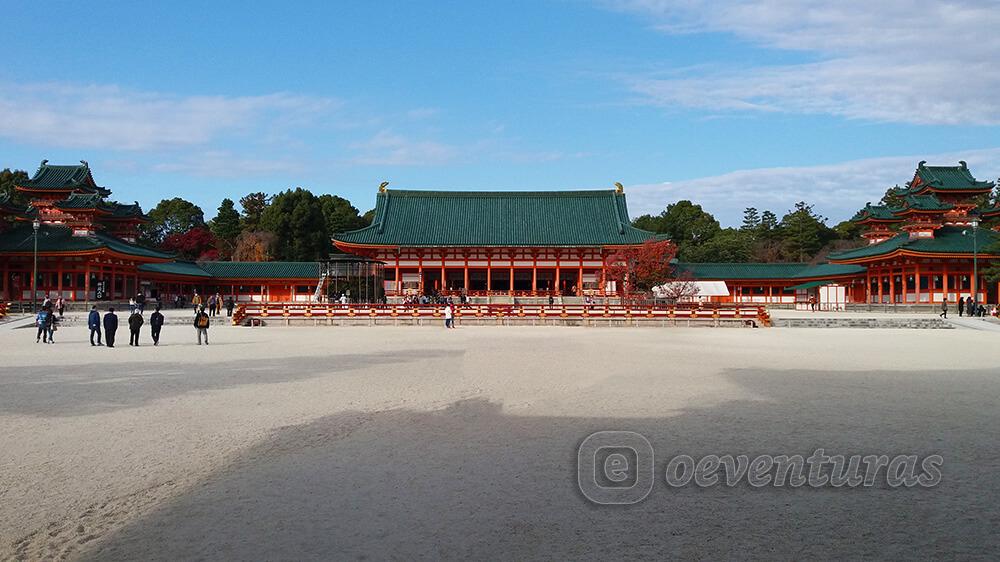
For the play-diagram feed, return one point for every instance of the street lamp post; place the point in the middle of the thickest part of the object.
(975, 261)
(35, 225)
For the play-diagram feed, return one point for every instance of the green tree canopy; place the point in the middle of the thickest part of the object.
(804, 232)
(687, 223)
(226, 227)
(340, 215)
(8, 178)
(169, 217)
(649, 222)
(768, 222)
(730, 245)
(253, 205)
(299, 226)
(751, 220)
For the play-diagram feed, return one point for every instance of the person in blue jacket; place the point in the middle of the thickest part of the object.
(94, 323)
(42, 321)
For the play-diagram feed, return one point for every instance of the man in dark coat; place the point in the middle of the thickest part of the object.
(94, 323)
(961, 306)
(944, 308)
(135, 322)
(155, 323)
(110, 326)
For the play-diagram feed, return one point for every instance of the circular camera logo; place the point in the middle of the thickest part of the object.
(615, 467)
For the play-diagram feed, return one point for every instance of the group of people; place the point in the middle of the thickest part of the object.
(48, 317)
(213, 305)
(969, 307)
(104, 330)
(135, 323)
(435, 298)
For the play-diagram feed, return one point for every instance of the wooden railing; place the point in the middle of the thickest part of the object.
(3, 309)
(750, 314)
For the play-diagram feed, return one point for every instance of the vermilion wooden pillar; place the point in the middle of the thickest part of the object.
(465, 254)
(534, 272)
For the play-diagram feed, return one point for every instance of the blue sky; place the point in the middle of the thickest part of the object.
(728, 103)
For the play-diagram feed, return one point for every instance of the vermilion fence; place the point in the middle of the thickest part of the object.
(502, 314)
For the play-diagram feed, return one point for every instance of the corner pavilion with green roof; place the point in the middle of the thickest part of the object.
(930, 247)
(87, 251)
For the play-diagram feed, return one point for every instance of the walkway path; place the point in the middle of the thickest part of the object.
(975, 323)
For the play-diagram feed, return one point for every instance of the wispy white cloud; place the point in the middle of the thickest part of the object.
(912, 61)
(387, 148)
(110, 117)
(837, 190)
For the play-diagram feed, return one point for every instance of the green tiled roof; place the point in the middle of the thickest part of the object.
(874, 212)
(507, 218)
(119, 210)
(83, 201)
(928, 202)
(237, 269)
(261, 269)
(947, 239)
(948, 178)
(765, 271)
(186, 268)
(54, 238)
(75, 177)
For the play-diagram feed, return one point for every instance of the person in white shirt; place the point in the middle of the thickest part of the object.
(449, 318)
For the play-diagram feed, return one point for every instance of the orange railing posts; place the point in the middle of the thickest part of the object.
(715, 314)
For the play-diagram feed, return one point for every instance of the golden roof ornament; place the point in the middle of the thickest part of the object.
(382, 186)
(619, 188)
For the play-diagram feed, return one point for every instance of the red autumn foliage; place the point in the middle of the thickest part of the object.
(640, 268)
(196, 244)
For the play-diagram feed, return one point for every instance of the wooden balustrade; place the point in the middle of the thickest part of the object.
(714, 314)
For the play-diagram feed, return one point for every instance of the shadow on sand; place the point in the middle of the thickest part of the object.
(472, 482)
(45, 390)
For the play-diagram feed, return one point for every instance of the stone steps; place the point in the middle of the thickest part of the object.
(873, 323)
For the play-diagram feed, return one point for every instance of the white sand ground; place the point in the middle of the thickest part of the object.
(413, 443)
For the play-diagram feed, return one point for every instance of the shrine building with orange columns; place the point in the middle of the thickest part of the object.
(496, 243)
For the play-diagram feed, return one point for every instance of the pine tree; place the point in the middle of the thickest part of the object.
(226, 227)
(751, 220)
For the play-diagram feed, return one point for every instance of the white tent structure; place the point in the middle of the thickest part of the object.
(703, 290)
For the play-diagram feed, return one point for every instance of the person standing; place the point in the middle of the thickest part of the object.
(196, 302)
(60, 306)
(201, 324)
(230, 305)
(218, 304)
(961, 306)
(140, 302)
(42, 321)
(155, 324)
(94, 323)
(110, 326)
(50, 326)
(449, 318)
(944, 308)
(135, 322)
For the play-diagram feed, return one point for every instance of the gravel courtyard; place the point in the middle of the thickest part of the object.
(416, 443)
